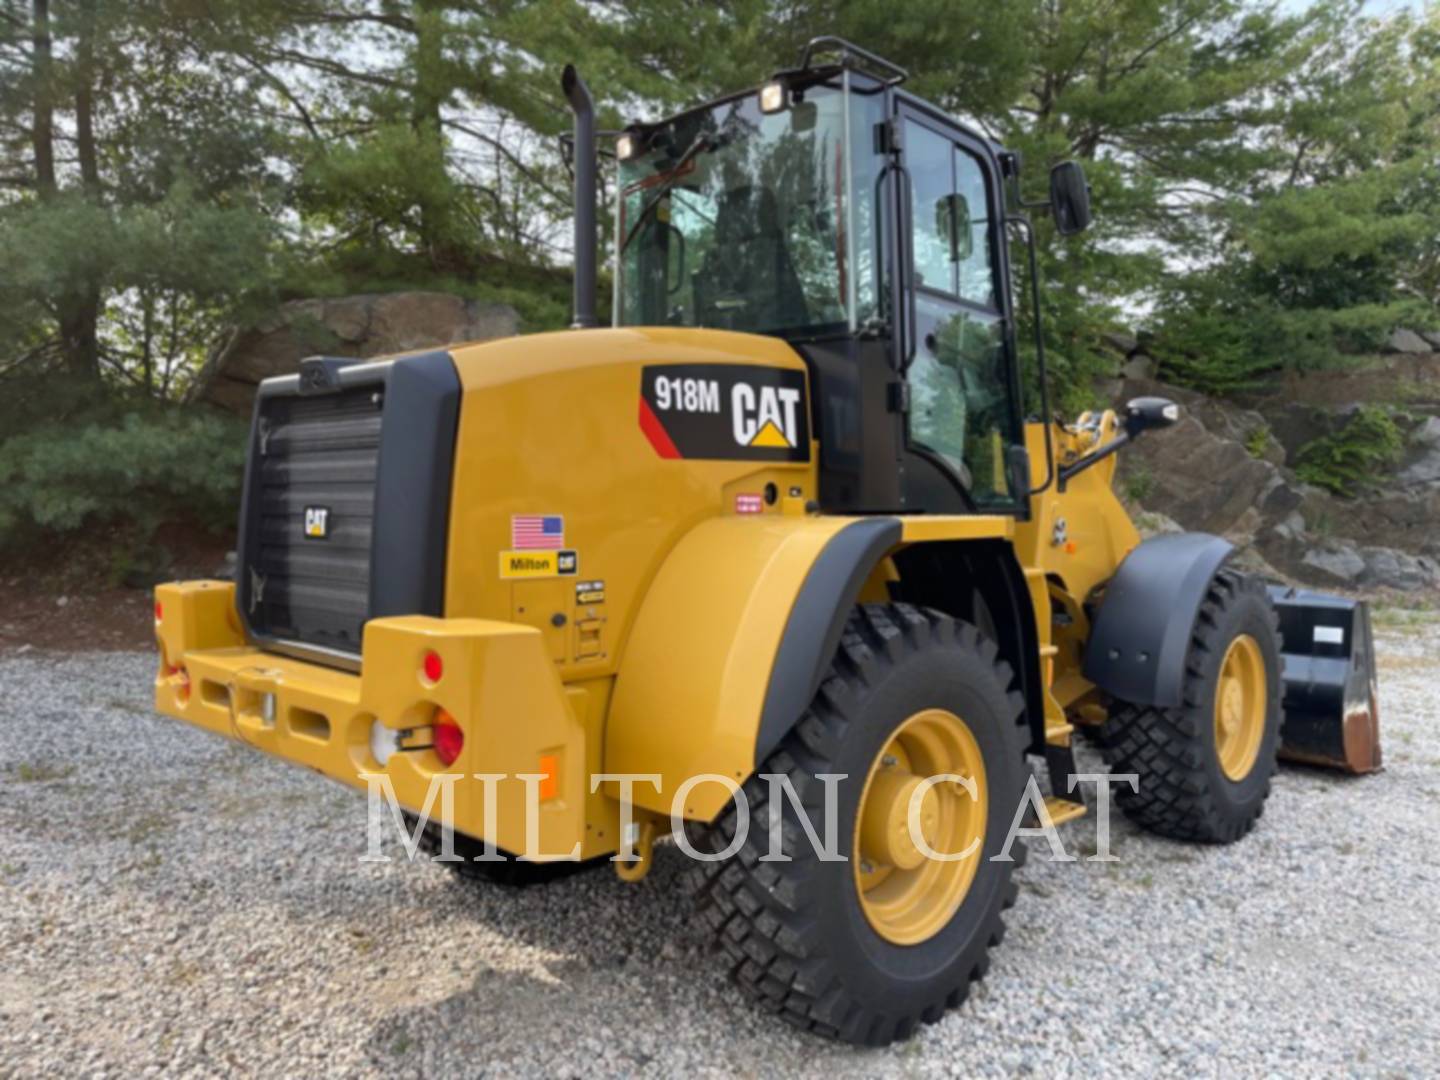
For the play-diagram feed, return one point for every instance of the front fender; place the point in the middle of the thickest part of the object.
(729, 646)
(1141, 635)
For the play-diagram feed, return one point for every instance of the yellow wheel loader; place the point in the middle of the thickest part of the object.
(779, 543)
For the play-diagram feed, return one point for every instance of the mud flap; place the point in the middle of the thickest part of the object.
(1332, 709)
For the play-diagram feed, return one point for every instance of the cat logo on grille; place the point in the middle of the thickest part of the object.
(317, 522)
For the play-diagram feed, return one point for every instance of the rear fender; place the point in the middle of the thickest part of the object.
(730, 645)
(1141, 635)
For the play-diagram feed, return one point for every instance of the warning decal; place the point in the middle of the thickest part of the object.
(725, 412)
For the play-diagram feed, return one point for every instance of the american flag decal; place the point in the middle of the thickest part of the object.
(537, 532)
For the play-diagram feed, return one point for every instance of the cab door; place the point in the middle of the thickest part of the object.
(963, 413)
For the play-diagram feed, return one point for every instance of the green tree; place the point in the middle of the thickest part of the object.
(1333, 244)
(133, 216)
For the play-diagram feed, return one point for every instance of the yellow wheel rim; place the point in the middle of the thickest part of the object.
(1240, 707)
(907, 895)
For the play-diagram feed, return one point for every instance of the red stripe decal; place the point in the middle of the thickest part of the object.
(655, 432)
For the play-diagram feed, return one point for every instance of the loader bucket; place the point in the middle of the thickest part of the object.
(1332, 710)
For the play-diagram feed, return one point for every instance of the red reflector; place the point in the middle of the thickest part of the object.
(159, 612)
(432, 667)
(449, 739)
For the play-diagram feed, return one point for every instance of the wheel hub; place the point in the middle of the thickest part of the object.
(907, 896)
(1240, 707)
(885, 837)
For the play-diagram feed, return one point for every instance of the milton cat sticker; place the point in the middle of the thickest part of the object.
(725, 412)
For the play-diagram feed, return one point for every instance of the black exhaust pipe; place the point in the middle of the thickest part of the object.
(586, 240)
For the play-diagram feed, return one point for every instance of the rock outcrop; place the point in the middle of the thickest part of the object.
(1220, 469)
(367, 325)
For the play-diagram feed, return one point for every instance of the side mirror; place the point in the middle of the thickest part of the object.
(803, 116)
(1069, 198)
(1144, 413)
(952, 215)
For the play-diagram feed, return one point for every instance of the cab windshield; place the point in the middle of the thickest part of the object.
(734, 219)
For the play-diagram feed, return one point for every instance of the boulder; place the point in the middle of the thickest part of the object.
(1152, 523)
(1201, 480)
(1422, 459)
(1294, 426)
(1406, 341)
(1433, 337)
(1391, 569)
(1337, 562)
(1124, 344)
(366, 325)
(1139, 366)
(1199, 471)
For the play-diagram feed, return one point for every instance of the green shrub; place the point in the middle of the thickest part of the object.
(1139, 483)
(136, 470)
(1352, 459)
(1258, 441)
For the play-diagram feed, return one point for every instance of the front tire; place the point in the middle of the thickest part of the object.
(829, 945)
(1204, 768)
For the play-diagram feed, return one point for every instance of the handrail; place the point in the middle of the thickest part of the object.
(830, 41)
(1024, 222)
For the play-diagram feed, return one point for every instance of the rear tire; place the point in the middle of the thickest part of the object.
(511, 873)
(1185, 791)
(800, 937)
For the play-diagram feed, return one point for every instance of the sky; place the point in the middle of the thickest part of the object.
(1378, 7)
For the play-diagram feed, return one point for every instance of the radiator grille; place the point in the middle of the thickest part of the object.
(320, 454)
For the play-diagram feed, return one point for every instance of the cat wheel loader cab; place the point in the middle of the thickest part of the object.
(788, 535)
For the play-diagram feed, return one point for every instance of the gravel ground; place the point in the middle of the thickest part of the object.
(175, 903)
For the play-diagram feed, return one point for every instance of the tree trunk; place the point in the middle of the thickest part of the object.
(80, 307)
(43, 72)
(85, 101)
(427, 96)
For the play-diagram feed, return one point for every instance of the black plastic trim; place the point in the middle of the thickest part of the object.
(1141, 635)
(412, 491)
(817, 619)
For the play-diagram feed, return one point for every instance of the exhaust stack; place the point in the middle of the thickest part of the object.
(586, 241)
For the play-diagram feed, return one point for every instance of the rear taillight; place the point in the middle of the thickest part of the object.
(432, 668)
(159, 611)
(448, 738)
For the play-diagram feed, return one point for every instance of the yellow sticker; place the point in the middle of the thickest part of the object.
(533, 564)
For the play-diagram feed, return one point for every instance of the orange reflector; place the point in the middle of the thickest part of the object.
(180, 679)
(1070, 548)
(550, 777)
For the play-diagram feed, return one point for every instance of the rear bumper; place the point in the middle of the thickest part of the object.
(498, 683)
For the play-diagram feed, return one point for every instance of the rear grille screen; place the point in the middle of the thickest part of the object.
(316, 474)
(347, 501)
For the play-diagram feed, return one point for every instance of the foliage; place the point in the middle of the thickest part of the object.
(1262, 173)
(1355, 457)
(1139, 483)
(1332, 245)
(1258, 441)
(107, 462)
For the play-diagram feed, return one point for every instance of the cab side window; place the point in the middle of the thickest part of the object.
(974, 274)
(950, 220)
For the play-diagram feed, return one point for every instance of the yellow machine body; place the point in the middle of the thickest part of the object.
(655, 655)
